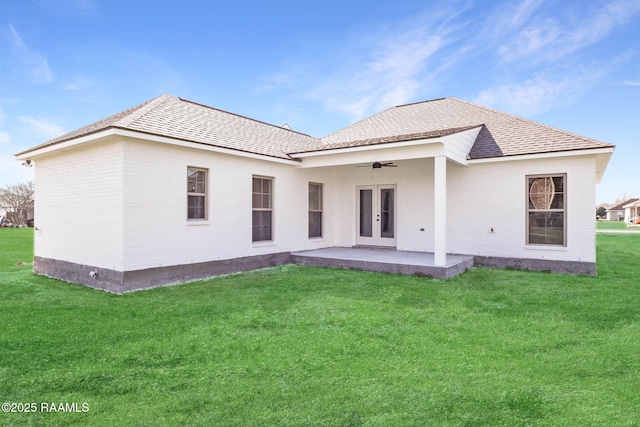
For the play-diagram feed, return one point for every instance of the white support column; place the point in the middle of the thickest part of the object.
(440, 210)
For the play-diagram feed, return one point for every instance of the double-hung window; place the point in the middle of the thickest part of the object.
(262, 210)
(196, 194)
(315, 210)
(546, 210)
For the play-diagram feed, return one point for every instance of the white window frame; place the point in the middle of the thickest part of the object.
(320, 209)
(262, 208)
(192, 191)
(562, 210)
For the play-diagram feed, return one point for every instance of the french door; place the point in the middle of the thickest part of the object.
(376, 215)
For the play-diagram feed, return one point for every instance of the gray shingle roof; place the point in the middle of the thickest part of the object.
(388, 139)
(501, 134)
(177, 118)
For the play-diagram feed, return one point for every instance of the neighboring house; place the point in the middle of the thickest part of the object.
(19, 217)
(617, 213)
(171, 190)
(632, 211)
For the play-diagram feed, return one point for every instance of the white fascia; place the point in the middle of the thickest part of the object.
(114, 134)
(372, 153)
(99, 137)
(603, 155)
(361, 148)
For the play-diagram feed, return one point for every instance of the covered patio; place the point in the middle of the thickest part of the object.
(384, 261)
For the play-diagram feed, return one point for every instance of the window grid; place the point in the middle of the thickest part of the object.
(262, 209)
(315, 210)
(196, 194)
(546, 210)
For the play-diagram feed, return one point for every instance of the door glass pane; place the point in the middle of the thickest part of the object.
(366, 208)
(386, 213)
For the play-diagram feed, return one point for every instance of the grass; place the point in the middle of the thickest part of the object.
(614, 225)
(298, 345)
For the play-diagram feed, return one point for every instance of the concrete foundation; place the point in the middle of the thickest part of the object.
(366, 259)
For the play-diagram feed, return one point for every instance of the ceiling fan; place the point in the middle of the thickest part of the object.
(379, 165)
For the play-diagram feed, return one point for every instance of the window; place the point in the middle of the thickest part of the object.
(546, 210)
(315, 210)
(196, 194)
(262, 209)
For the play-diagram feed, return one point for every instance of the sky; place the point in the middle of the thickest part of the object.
(322, 65)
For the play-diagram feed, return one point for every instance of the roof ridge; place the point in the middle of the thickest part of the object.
(142, 110)
(243, 117)
(524, 119)
(506, 134)
(420, 102)
(381, 112)
(353, 124)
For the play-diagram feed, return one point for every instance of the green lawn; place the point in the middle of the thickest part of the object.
(614, 225)
(310, 346)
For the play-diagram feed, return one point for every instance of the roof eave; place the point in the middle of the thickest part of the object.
(545, 154)
(400, 140)
(603, 155)
(369, 147)
(113, 132)
(67, 144)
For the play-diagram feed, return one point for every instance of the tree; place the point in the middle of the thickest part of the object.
(601, 212)
(17, 200)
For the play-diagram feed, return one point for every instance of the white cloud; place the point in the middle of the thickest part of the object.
(538, 37)
(515, 15)
(34, 63)
(502, 21)
(536, 56)
(78, 83)
(544, 92)
(45, 128)
(530, 41)
(390, 77)
(5, 138)
(597, 26)
(544, 53)
(388, 66)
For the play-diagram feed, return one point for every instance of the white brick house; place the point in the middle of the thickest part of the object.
(171, 190)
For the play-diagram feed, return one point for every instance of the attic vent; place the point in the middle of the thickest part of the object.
(285, 126)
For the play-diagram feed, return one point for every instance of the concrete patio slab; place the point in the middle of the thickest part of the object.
(384, 261)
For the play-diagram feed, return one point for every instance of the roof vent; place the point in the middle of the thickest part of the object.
(285, 126)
